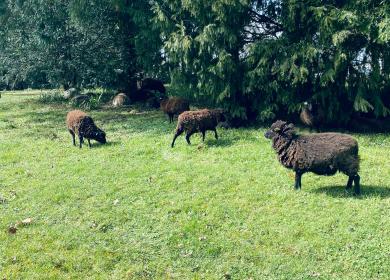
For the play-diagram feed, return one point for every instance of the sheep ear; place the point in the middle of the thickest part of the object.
(277, 129)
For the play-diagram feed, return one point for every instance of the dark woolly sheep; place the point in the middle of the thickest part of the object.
(198, 121)
(174, 106)
(312, 116)
(79, 123)
(320, 153)
(152, 84)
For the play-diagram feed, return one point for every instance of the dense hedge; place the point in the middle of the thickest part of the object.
(258, 59)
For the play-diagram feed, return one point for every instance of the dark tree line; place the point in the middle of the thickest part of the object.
(257, 59)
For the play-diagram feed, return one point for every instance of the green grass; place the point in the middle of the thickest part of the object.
(137, 209)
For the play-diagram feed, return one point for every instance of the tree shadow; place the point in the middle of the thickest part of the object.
(367, 191)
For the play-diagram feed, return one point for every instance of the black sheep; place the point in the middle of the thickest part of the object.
(152, 84)
(198, 121)
(320, 153)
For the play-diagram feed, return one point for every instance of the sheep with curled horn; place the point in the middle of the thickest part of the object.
(320, 153)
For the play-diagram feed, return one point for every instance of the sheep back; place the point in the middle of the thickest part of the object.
(201, 120)
(320, 153)
(174, 105)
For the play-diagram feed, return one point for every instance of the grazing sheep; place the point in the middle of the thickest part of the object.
(320, 153)
(120, 100)
(174, 106)
(312, 116)
(152, 84)
(198, 121)
(79, 123)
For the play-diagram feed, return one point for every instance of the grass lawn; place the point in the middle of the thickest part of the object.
(138, 209)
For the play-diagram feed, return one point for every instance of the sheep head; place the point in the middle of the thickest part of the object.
(280, 128)
(99, 135)
(307, 106)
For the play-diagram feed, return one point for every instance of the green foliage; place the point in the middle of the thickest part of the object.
(52, 97)
(64, 43)
(263, 58)
(257, 59)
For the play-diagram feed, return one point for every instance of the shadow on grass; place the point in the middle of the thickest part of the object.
(97, 145)
(221, 142)
(366, 191)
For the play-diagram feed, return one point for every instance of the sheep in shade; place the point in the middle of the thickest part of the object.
(198, 121)
(312, 116)
(152, 84)
(174, 106)
(320, 153)
(81, 124)
(120, 100)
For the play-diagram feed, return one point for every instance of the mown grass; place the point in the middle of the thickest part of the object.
(137, 209)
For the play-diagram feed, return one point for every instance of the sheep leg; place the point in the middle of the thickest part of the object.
(81, 140)
(170, 118)
(215, 132)
(89, 143)
(350, 181)
(178, 132)
(188, 135)
(357, 184)
(203, 135)
(73, 137)
(298, 183)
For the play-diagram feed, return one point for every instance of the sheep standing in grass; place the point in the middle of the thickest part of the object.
(174, 106)
(312, 116)
(320, 153)
(79, 123)
(198, 121)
